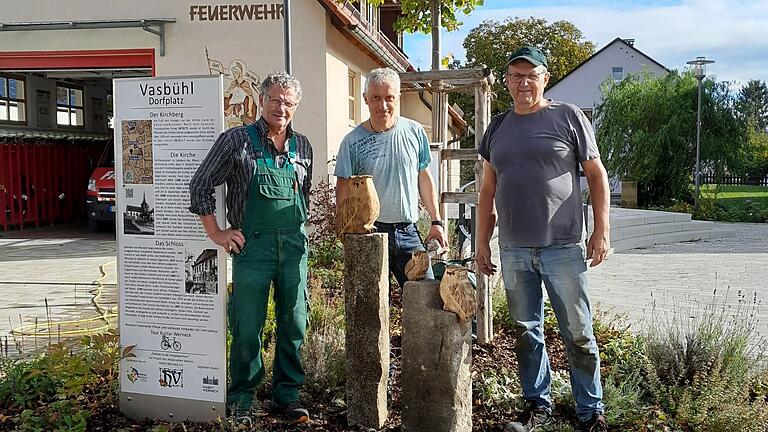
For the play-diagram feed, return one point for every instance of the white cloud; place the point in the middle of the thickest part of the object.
(732, 32)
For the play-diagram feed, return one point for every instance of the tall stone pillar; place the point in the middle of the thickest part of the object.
(366, 303)
(437, 357)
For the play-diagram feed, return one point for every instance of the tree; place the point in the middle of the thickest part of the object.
(752, 103)
(646, 131)
(417, 17)
(491, 43)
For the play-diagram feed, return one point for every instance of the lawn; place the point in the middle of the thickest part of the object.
(734, 203)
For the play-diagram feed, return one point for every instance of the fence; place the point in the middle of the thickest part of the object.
(733, 180)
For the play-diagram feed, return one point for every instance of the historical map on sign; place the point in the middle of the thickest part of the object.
(137, 151)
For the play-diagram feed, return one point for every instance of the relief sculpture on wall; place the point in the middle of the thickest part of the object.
(241, 91)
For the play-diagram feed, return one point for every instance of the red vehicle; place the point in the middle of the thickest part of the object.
(100, 197)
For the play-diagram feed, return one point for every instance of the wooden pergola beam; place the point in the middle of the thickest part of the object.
(449, 75)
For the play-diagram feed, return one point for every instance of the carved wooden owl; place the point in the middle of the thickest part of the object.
(457, 293)
(357, 213)
(416, 269)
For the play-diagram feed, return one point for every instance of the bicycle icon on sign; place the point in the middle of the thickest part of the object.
(167, 343)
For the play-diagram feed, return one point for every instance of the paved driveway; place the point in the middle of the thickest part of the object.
(684, 277)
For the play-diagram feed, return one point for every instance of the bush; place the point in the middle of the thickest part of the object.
(57, 390)
(703, 366)
(324, 353)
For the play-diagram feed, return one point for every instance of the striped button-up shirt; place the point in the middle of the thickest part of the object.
(232, 160)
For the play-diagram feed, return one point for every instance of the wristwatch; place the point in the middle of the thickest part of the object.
(438, 222)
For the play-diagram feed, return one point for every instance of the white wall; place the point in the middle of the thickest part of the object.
(582, 86)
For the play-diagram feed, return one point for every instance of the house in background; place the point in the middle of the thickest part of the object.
(581, 86)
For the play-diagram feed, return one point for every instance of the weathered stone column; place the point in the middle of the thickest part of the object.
(366, 303)
(437, 356)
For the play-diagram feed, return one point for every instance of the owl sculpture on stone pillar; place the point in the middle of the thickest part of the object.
(358, 212)
(457, 293)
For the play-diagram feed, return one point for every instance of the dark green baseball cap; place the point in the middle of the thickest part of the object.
(530, 54)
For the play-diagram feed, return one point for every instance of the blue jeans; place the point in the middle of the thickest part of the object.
(563, 269)
(403, 240)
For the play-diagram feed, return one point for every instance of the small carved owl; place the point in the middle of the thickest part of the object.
(458, 294)
(357, 213)
(416, 269)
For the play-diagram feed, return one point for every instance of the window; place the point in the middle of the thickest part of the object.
(351, 98)
(69, 106)
(372, 16)
(618, 73)
(12, 99)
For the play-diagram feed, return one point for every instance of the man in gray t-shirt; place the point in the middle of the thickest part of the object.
(532, 155)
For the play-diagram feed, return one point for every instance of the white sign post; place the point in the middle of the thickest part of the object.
(172, 278)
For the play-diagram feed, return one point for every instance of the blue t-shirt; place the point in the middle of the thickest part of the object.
(394, 159)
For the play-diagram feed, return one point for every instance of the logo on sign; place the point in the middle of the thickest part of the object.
(171, 377)
(134, 375)
(210, 380)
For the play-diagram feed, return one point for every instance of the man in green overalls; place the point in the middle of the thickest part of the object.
(267, 167)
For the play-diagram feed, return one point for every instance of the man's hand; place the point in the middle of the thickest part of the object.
(483, 259)
(437, 232)
(231, 240)
(597, 248)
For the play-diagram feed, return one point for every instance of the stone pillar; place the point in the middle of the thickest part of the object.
(366, 304)
(437, 357)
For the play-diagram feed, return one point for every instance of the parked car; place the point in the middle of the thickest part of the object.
(100, 196)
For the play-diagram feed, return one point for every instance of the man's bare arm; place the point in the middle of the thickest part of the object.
(486, 220)
(600, 195)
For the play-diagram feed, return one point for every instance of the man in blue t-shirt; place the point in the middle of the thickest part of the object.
(395, 151)
(531, 157)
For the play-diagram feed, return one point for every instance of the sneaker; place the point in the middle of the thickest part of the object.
(595, 424)
(533, 418)
(292, 412)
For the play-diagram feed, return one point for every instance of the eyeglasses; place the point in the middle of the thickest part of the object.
(276, 103)
(517, 78)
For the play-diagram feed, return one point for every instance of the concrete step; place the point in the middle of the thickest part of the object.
(626, 243)
(633, 231)
(626, 218)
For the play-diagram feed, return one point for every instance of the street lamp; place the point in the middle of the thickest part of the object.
(700, 71)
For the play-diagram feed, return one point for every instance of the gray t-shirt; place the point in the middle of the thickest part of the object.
(394, 159)
(536, 158)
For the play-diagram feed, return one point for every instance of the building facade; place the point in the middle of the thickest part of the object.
(57, 63)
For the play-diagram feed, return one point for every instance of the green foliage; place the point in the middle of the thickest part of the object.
(417, 16)
(755, 159)
(326, 254)
(492, 42)
(647, 132)
(752, 103)
(324, 352)
(704, 363)
(56, 391)
(65, 415)
(498, 389)
(324, 355)
(24, 385)
(623, 397)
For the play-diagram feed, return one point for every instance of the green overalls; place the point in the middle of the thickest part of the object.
(275, 252)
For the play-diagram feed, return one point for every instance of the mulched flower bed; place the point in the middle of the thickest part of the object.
(330, 415)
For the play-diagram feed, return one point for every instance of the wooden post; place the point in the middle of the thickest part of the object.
(439, 103)
(484, 305)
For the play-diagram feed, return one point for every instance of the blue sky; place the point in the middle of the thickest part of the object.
(734, 33)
